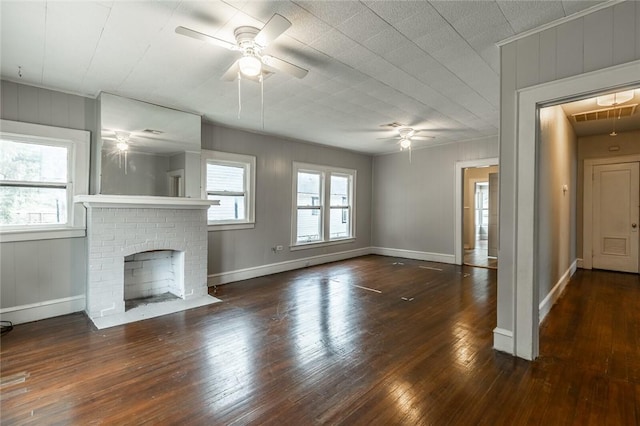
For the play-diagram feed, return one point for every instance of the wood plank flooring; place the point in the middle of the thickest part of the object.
(318, 346)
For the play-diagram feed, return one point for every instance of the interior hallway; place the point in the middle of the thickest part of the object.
(372, 340)
(479, 256)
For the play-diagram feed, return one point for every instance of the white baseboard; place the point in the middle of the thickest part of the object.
(556, 292)
(580, 263)
(412, 254)
(43, 310)
(503, 340)
(289, 265)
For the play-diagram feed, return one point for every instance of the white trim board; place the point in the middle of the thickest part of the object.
(43, 310)
(559, 21)
(556, 292)
(503, 340)
(413, 254)
(289, 265)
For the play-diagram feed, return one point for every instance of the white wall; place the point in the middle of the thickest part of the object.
(48, 272)
(413, 205)
(557, 208)
(602, 39)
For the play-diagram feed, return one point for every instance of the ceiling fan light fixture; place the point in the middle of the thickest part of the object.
(122, 141)
(250, 66)
(615, 98)
(405, 143)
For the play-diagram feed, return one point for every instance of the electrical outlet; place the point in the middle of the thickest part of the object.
(278, 248)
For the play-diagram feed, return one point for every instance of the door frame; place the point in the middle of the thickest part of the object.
(587, 202)
(520, 279)
(458, 236)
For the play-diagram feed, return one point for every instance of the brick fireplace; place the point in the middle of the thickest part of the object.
(136, 228)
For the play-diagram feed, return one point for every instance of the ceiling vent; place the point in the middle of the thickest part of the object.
(393, 125)
(153, 131)
(606, 113)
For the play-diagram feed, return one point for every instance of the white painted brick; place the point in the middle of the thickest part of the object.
(115, 232)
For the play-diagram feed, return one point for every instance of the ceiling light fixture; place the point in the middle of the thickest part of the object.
(613, 99)
(405, 143)
(122, 145)
(250, 65)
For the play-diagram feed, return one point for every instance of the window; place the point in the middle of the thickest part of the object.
(41, 169)
(323, 205)
(229, 178)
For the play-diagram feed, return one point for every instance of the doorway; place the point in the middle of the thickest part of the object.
(480, 216)
(518, 286)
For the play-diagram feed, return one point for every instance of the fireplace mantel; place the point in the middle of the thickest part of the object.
(143, 202)
(119, 226)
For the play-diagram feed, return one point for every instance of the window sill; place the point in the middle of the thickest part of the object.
(14, 235)
(305, 246)
(230, 226)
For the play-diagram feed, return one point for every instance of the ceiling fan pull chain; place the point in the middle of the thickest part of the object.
(125, 162)
(262, 98)
(239, 95)
(613, 132)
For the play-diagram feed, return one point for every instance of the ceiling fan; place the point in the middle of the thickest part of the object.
(406, 135)
(251, 42)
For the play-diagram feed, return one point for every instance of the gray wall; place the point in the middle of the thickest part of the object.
(413, 205)
(600, 40)
(556, 209)
(245, 248)
(146, 174)
(37, 271)
(597, 146)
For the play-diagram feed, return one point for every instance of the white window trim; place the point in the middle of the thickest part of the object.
(78, 142)
(249, 163)
(326, 208)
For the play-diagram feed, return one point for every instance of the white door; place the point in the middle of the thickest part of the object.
(615, 217)
(493, 215)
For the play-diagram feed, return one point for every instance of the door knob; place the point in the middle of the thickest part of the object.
(634, 226)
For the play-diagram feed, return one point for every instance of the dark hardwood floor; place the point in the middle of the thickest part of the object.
(319, 346)
(479, 256)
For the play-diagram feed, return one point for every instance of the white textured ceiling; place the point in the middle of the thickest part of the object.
(432, 65)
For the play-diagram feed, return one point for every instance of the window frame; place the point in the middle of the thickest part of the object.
(325, 173)
(77, 143)
(248, 163)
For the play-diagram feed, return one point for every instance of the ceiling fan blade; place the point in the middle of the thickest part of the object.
(284, 66)
(206, 38)
(232, 73)
(422, 137)
(272, 29)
